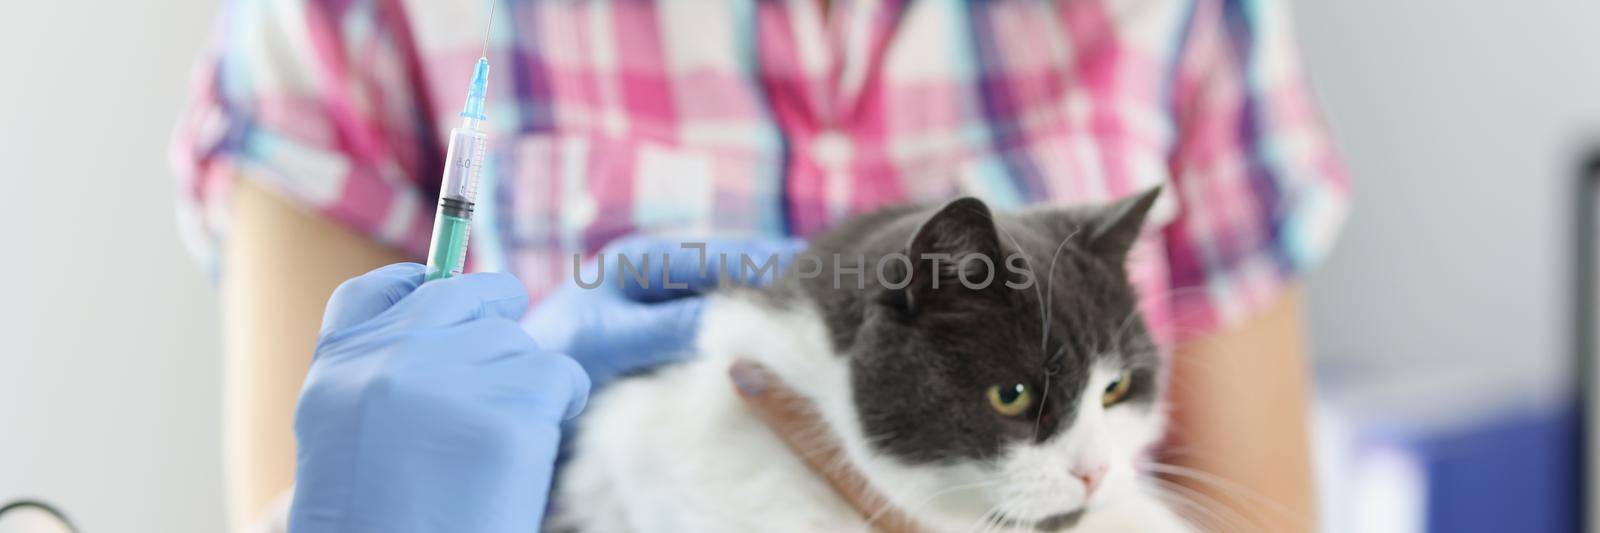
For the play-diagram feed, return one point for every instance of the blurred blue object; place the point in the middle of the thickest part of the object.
(1518, 472)
(1510, 468)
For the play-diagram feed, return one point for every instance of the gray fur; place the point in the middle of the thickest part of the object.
(922, 358)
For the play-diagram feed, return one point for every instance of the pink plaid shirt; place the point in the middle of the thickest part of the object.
(770, 117)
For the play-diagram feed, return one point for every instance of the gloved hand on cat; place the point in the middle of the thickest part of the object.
(430, 405)
(429, 408)
(642, 304)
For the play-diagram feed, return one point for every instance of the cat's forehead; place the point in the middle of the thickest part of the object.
(1076, 312)
(1070, 284)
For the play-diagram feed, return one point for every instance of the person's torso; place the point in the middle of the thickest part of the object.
(771, 118)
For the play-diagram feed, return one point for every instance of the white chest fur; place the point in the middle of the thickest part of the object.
(675, 451)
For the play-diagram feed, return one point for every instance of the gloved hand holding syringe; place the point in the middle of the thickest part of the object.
(429, 405)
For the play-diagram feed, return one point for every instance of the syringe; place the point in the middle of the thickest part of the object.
(458, 190)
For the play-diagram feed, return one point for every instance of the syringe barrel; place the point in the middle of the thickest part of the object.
(458, 195)
(463, 164)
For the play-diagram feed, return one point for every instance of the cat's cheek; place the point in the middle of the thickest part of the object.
(1122, 482)
(1135, 429)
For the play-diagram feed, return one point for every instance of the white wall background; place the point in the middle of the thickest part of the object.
(109, 371)
(1463, 123)
(1459, 118)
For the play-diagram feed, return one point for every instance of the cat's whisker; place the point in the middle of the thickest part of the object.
(1226, 514)
(1201, 516)
(1017, 245)
(1183, 511)
(1031, 271)
(1171, 293)
(1043, 397)
(1045, 297)
(1178, 327)
(1138, 311)
(1000, 522)
(985, 519)
(1032, 509)
(1193, 445)
(1230, 486)
(1049, 293)
(1116, 338)
(1192, 514)
(1001, 519)
(1190, 450)
(917, 508)
(993, 523)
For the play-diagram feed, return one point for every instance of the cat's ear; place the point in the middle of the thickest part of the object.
(947, 242)
(1113, 228)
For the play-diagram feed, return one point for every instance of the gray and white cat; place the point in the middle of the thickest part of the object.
(971, 409)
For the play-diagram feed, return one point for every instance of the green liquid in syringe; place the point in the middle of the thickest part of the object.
(448, 254)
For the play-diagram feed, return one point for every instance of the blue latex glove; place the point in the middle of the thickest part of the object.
(614, 330)
(429, 409)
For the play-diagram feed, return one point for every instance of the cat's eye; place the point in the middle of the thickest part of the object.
(1010, 400)
(1117, 390)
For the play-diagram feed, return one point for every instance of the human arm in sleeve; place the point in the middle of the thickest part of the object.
(282, 265)
(1261, 196)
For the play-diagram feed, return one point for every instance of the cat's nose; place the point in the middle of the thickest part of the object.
(1091, 475)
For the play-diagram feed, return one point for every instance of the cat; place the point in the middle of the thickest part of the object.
(1023, 404)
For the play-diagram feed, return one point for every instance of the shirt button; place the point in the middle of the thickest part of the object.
(831, 149)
